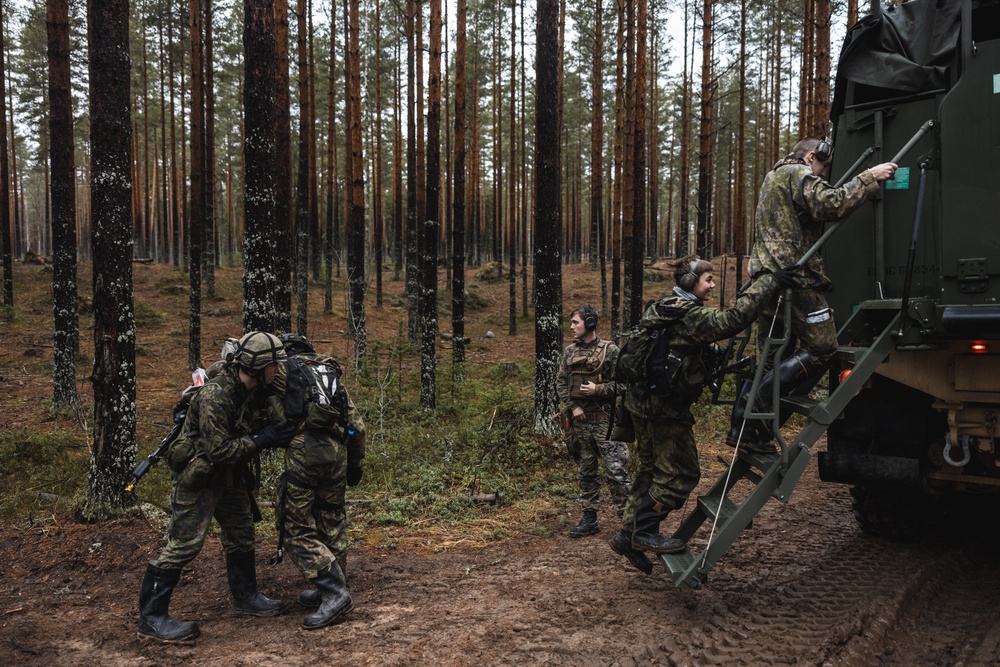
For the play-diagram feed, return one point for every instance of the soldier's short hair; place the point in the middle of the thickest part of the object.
(804, 147)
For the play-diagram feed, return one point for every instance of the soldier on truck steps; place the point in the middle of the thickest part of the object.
(586, 392)
(795, 201)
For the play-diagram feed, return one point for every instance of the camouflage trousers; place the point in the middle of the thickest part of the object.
(668, 465)
(191, 516)
(311, 506)
(813, 328)
(595, 452)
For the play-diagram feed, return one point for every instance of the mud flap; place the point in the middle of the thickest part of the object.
(847, 468)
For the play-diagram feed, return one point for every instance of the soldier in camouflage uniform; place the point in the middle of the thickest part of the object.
(323, 459)
(586, 392)
(210, 474)
(668, 456)
(795, 202)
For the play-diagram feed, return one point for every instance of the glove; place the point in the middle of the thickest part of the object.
(354, 475)
(785, 278)
(274, 435)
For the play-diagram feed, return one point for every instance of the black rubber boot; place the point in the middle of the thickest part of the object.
(621, 544)
(646, 535)
(154, 599)
(336, 600)
(588, 525)
(797, 374)
(247, 600)
(310, 599)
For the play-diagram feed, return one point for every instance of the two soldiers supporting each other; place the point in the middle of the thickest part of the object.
(795, 202)
(586, 391)
(668, 455)
(226, 427)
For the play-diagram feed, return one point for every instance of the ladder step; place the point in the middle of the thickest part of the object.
(677, 565)
(710, 506)
(763, 462)
(849, 353)
(803, 405)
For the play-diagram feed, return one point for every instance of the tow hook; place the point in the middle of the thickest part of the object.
(967, 455)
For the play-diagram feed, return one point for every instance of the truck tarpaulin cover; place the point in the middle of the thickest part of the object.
(908, 48)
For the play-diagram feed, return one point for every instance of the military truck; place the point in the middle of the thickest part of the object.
(923, 431)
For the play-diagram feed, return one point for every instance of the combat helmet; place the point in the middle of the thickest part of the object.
(257, 349)
(296, 344)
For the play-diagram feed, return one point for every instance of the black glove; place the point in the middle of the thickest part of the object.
(354, 474)
(785, 278)
(274, 435)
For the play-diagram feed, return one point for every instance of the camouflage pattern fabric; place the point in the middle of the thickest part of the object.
(311, 496)
(695, 327)
(191, 515)
(221, 415)
(312, 501)
(813, 327)
(668, 465)
(596, 452)
(793, 205)
(594, 361)
(668, 455)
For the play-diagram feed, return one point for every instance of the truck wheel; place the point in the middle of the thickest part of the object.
(892, 513)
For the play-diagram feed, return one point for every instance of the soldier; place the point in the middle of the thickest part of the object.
(668, 456)
(586, 392)
(795, 201)
(211, 478)
(323, 459)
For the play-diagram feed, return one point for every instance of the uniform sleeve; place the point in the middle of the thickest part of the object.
(356, 448)
(609, 387)
(706, 325)
(215, 425)
(826, 203)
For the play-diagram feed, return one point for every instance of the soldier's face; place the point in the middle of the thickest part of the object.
(818, 167)
(576, 326)
(706, 283)
(269, 372)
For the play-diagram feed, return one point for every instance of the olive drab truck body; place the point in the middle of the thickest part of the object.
(926, 423)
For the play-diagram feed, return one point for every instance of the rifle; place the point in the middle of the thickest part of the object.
(159, 452)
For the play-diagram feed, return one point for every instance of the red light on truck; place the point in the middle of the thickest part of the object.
(979, 347)
(843, 376)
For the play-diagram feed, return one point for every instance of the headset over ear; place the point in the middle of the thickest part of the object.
(824, 150)
(689, 280)
(589, 318)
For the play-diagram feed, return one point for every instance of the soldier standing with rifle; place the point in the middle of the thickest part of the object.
(210, 474)
(795, 201)
(586, 393)
(322, 460)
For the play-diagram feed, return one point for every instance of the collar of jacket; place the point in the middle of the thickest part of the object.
(687, 296)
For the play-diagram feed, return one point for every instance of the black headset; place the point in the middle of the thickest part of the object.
(689, 280)
(589, 318)
(824, 150)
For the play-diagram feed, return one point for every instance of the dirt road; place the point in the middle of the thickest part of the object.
(802, 587)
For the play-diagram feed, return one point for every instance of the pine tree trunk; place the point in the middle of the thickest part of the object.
(428, 305)
(302, 178)
(260, 275)
(705, 137)
(458, 219)
(196, 218)
(356, 235)
(639, 167)
(284, 250)
(412, 272)
(548, 276)
(114, 446)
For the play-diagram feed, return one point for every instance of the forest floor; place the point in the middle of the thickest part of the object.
(803, 586)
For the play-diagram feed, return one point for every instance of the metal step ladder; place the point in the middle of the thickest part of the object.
(865, 340)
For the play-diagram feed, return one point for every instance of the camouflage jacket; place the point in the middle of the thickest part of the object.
(794, 203)
(221, 416)
(581, 362)
(695, 327)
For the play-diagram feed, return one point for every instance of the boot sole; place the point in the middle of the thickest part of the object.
(675, 550)
(267, 613)
(186, 641)
(339, 616)
(644, 567)
(576, 536)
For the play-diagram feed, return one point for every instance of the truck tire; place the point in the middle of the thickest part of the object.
(892, 513)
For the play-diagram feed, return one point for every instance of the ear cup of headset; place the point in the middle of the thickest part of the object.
(589, 318)
(824, 151)
(688, 281)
